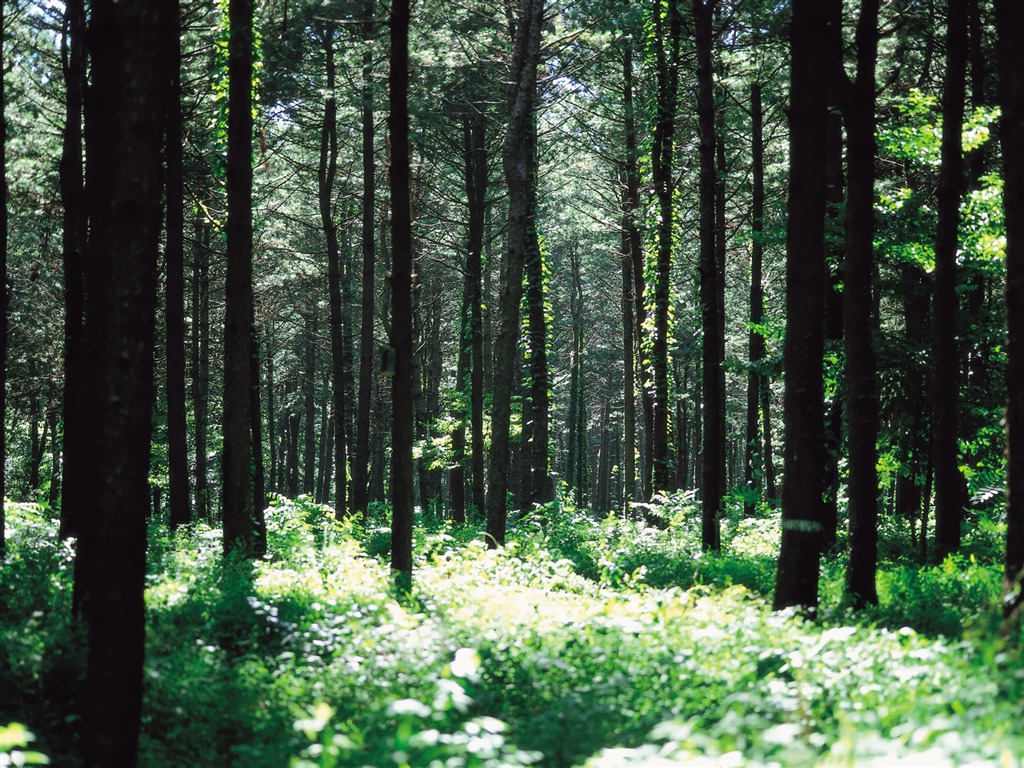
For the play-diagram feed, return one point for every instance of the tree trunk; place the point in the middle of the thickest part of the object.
(259, 483)
(309, 399)
(1010, 20)
(123, 135)
(326, 178)
(797, 577)
(711, 282)
(950, 486)
(667, 49)
(74, 224)
(755, 342)
(236, 462)
(859, 319)
(520, 175)
(577, 460)
(274, 475)
(361, 459)
(174, 257)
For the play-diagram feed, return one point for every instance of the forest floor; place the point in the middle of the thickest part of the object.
(583, 643)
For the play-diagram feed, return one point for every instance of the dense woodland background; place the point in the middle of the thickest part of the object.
(656, 293)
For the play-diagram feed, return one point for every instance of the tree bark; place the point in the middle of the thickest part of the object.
(520, 175)
(755, 342)
(859, 319)
(1009, 19)
(174, 258)
(239, 523)
(361, 459)
(403, 416)
(797, 578)
(201, 364)
(950, 486)
(123, 138)
(309, 398)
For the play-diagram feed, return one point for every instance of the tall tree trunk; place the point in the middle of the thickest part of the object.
(662, 153)
(361, 459)
(273, 481)
(950, 486)
(859, 320)
(577, 460)
(711, 277)
(326, 178)
(236, 462)
(72, 184)
(520, 175)
(259, 484)
(123, 136)
(201, 363)
(403, 416)
(628, 373)
(309, 398)
(755, 342)
(1010, 20)
(174, 257)
(5, 298)
(797, 577)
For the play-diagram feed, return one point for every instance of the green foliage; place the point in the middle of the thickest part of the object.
(13, 740)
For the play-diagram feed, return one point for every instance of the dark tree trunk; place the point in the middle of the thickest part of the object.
(5, 298)
(174, 257)
(797, 578)
(859, 319)
(1010, 20)
(309, 399)
(602, 502)
(72, 184)
(361, 459)
(755, 343)
(236, 461)
(274, 473)
(403, 416)
(577, 460)
(36, 442)
(201, 364)
(662, 152)
(259, 484)
(950, 486)
(327, 174)
(123, 135)
(520, 176)
(711, 283)
(292, 421)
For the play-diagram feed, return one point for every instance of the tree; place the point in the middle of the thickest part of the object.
(859, 321)
(520, 174)
(1010, 20)
(797, 577)
(404, 418)
(239, 515)
(4, 293)
(950, 486)
(755, 344)
(123, 139)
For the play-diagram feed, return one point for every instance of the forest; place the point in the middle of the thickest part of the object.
(493, 383)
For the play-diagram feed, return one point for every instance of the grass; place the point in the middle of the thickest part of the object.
(584, 643)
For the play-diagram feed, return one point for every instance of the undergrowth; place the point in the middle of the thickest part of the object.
(597, 642)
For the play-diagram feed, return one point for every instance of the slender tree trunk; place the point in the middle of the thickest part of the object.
(711, 276)
(1010, 20)
(662, 158)
(859, 320)
(950, 486)
(72, 184)
(797, 578)
(520, 174)
(201, 364)
(174, 257)
(236, 462)
(403, 416)
(274, 475)
(327, 175)
(123, 135)
(755, 342)
(259, 484)
(361, 459)
(309, 399)
(576, 474)
(5, 298)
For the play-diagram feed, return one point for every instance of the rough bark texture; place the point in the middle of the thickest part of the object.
(520, 174)
(236, 462)
(950, 486)
(402, 410)
(123, 135)
(859, 320)
(797, 578)
(1010, 20)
